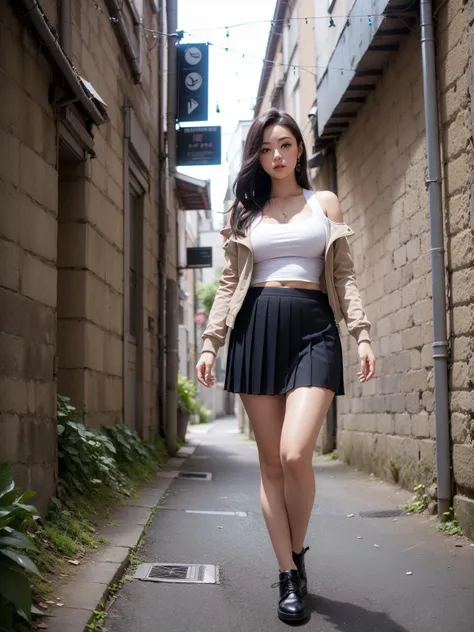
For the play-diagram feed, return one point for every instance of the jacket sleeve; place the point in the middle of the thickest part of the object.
(216, 331)
(348, 292)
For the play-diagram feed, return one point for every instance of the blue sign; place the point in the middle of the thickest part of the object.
(198, 146)
(193, 82)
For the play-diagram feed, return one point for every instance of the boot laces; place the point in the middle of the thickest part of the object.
(289, 584)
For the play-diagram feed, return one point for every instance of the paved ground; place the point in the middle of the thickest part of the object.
(354, 586)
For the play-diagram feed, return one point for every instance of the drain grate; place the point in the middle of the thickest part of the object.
(178, 573)
(386, 513)
(198, 476)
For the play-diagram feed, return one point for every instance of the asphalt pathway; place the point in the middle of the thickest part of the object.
(357, 566)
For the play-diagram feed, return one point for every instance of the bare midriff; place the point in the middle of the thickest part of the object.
(300, 285)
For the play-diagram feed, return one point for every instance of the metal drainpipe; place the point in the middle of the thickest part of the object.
(440, 345)
(66, 27)
(133, 56)
(172, 365)
(162, 232)
(37, 19)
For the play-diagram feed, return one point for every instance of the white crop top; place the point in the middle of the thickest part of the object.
(293, 251)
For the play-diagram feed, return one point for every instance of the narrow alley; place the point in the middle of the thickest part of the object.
(366, 574)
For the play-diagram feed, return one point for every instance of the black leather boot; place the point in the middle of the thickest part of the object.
(291, 606)
(298, 559)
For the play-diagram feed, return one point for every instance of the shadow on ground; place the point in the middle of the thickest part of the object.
(347, 617)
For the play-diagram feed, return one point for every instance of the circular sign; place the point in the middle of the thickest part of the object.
(193, 81)
(200, 318)
(192, 55)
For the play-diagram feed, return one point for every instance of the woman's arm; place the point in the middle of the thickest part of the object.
(347, 290)
(215, 333)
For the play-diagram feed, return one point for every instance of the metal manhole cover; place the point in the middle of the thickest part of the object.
(386, 513)
(178, 573)
(201, 476)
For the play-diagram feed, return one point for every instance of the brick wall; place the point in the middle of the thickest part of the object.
(91, 295)
(28, 233)
(388, 426)
(62, 243)
(456, 35)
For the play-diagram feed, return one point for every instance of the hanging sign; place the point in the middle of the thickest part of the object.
(198, 146)
(200, 257)
(193, 82)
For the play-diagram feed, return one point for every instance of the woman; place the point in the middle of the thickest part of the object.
(288, 278)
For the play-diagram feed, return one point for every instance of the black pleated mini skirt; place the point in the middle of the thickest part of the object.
(284, 338)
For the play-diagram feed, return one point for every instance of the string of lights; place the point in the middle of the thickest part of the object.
(294, 67)
(331, 19)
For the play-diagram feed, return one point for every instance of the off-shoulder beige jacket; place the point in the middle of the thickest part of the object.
(337, 281)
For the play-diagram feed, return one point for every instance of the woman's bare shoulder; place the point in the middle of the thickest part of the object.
(330, 204)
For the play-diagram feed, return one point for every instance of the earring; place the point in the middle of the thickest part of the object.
(298, 166)
(261, 170)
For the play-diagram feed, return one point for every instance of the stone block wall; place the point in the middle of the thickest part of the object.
(28, 277)
(388, 426)
(456, 86)
(91, 283)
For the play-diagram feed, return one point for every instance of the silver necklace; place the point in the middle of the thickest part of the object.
(285, 215)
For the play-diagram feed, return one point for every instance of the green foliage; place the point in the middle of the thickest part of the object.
(15, 518)
(98, 620)
(450, 526)
(92, 459)
(419, 502)
(206, 293)
(129, 447)
(186, 395)
(86, 457)
(88, 489)
(204, 415)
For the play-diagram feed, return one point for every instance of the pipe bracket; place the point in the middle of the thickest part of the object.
(429, 181)
(440, 349)
(439, 249)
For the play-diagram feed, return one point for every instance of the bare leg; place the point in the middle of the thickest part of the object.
(306, 409)
(266, 413)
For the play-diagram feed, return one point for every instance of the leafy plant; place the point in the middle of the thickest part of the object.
(206, 293)
(86, 457)
(419, 502)
(15, 517)
(204, 415)
(451, 525)
(186, 395)
(129, 448)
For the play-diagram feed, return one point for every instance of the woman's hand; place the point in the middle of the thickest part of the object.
(204, 368)
(367, 362)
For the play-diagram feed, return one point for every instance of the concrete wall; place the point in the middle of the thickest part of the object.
(28, 276)
(388, 425)
(456, 85)
(64, 224)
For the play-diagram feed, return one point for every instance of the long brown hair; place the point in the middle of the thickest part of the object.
(252, 188)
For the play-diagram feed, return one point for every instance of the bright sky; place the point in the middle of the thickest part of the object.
(233, 79)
